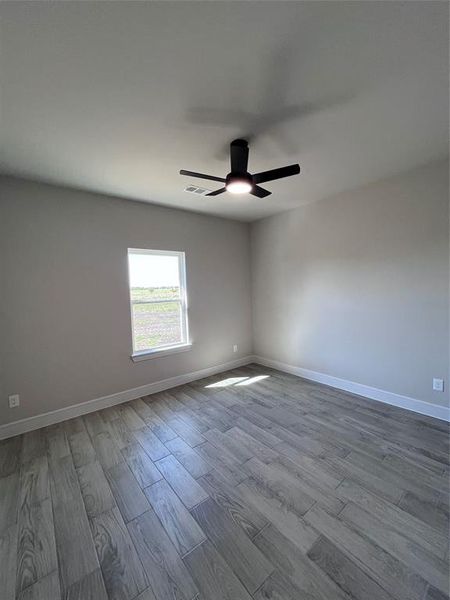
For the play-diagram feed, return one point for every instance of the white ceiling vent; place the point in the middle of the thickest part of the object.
(193, 189)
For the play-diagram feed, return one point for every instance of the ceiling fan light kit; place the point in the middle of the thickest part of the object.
(238, 184)
(239, 180)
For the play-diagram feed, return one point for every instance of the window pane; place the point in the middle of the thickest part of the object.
(156, 324)
(153, 277)
(145, 294)
(157, 297)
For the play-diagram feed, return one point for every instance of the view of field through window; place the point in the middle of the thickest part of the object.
(156, 300)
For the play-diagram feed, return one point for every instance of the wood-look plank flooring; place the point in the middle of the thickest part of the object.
(252, 484)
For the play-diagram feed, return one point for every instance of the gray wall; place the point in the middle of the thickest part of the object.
(357, 286)
(64, 301)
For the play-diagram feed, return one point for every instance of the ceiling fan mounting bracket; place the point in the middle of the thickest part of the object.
(239, 142)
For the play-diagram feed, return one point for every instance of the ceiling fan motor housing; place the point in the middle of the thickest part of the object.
(244, 177)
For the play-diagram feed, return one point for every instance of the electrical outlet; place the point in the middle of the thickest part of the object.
(235, 348)
(438, 385)
(14, 400)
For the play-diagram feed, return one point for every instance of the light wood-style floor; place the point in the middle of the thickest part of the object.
(265, 488)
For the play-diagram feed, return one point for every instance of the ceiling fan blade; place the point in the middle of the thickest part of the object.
(201, 175)
(217, 192)
(276, 173)
(260, 192)
(239, 156)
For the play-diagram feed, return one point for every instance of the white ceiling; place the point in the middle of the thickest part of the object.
(116, 97)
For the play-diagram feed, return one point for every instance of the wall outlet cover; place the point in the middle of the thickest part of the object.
(438, 385)
(14, 400)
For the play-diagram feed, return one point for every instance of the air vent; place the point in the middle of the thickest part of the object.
(193, 189)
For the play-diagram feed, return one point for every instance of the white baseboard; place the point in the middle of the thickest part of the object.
(76, 410)
(418, 406)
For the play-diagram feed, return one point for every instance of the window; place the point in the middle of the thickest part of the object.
(158, 302)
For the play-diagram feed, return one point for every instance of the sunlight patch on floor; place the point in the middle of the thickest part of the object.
(253, 380)
(226, 382)
(236, 381)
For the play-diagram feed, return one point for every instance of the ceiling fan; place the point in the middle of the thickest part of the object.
(239, 181)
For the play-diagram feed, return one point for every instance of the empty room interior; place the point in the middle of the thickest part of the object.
(224, 300)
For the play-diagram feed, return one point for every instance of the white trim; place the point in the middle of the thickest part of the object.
(160, 352)
(418, 406)
(76, 410)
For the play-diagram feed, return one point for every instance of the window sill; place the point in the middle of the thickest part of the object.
(160, 352)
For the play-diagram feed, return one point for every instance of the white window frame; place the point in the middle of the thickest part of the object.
(165, 349)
